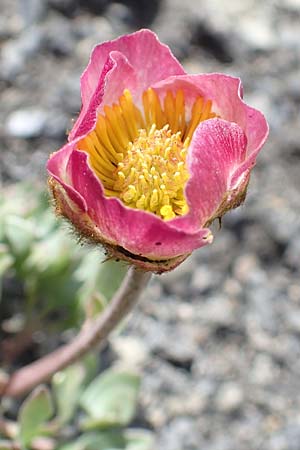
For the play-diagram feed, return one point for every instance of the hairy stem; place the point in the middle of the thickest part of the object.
(93, 332)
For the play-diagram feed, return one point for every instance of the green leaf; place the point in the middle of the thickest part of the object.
(105, 440)
(51, 255)
(139, 439)
(100, 279)
(111, 399)
(34, 412)
(6, 259)
(67, 386)
(19, 234)
(110, 277)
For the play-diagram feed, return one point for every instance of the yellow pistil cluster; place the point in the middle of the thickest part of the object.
(140, 155)
(153, 173)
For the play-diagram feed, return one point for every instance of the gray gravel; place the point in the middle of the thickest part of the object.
(217, 340)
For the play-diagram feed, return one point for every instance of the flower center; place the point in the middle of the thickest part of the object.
(140, 157)
(153, 173)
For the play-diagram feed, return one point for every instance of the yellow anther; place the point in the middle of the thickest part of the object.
(177, 177)
(143, 183)
(167, 212)
(154, 200)
(184, 209)
(158, 180)
(130, 194)
(139, 154)
(141, 203)
(132, 174)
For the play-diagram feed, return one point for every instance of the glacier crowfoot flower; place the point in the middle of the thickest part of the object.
(155, 154)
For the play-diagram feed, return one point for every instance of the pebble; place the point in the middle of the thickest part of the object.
(263, 371)
(259, 34)
(230, 397)
(203, 280)
(119, 16)
(217, 310)
(293, 321)
(15, 52)
(56, 125)
(131, 351)
(32, 11)
(26, 123)
(244, 266)
(181, 433)
(292, 253)
(293, 5)
(66, 7)
(174, 281)
(59, 37)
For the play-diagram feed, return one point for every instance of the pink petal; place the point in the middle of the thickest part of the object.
(152, 60)
(217, 150)
(57, 168)
(116, 76)
(142, 52)
(226, 94)
(138, 232)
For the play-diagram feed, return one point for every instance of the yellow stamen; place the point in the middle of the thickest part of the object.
(140, 154)
(157, 184)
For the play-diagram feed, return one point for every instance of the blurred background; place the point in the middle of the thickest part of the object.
(217, 341)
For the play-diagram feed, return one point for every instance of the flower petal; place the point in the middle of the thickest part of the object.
(57, 168)
(136, 60)
(152, 60)
(226, 95)
(115, 84)
(138, 232)
(217, 150)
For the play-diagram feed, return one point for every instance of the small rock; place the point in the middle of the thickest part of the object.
(120, 16)
(203, 279)
(218, 310)
(293, 5)
(292, 254)
(294, 292)
(26, 123)
(94, 6)
(15, 52)
(131, 351)
(263, 371)
(66, 7)
(232, 288)
(258, 33)
(181, 433)
(175, 281)
(230, 397)
(57, 125)
(293, 321)
(32, 11)
(244, 266)
(59, 36)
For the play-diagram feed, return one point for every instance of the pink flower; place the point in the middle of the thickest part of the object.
(155, 154)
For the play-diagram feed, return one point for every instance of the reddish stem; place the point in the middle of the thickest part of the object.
(93, 332)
